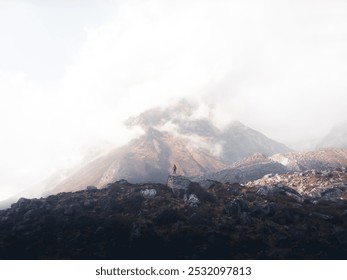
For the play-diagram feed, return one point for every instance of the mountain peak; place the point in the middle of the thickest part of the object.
(174, 135)
(153, 133)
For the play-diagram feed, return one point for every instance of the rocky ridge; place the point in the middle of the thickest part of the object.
(259, 165)
(290, 216)
(313, 184)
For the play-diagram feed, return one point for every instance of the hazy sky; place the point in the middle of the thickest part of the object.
(72, 71)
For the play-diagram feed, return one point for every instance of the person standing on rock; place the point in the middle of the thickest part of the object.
(174, 168)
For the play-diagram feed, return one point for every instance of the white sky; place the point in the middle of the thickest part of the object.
(72, 71)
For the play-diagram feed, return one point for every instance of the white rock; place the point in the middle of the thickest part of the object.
(149, 193)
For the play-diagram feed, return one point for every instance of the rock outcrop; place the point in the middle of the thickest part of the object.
(258, 165)
(179, 185)
(312, 184)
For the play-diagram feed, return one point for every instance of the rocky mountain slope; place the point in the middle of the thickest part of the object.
(319, 159)
(232, 143)
(146, 159)
(171, 136)
(278, 217)
(250, 168)
(259, 165)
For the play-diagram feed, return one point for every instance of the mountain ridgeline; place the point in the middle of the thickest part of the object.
(171, 136)
(259, 165)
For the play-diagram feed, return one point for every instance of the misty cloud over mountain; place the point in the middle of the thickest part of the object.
(230, 143)
(174, 135)
(337, 137)
(72, 72)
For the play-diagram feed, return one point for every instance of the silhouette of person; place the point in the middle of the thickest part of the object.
(174, 168)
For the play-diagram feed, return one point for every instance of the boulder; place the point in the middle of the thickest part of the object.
(279, 189)
(268, 190)
(148, 193)
(326, 192)
(192, 200)
(179, 185)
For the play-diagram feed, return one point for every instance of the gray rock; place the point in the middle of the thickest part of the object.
(267, 190)
(179, 185)
(325, 217)
(192, 200)
(148, 193)
(327, 173)
(91, 188)
(121, 183)
(327, 193)
(279, 189)
(297, 197)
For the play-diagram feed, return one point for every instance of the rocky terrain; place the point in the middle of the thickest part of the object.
(146, 159)
(328, 184)
(299, 215)
(318, 159)
(245, 170)
(259, 165)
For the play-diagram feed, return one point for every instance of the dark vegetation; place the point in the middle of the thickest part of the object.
(120, 222)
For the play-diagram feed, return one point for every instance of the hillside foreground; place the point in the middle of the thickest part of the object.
(271, 218)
